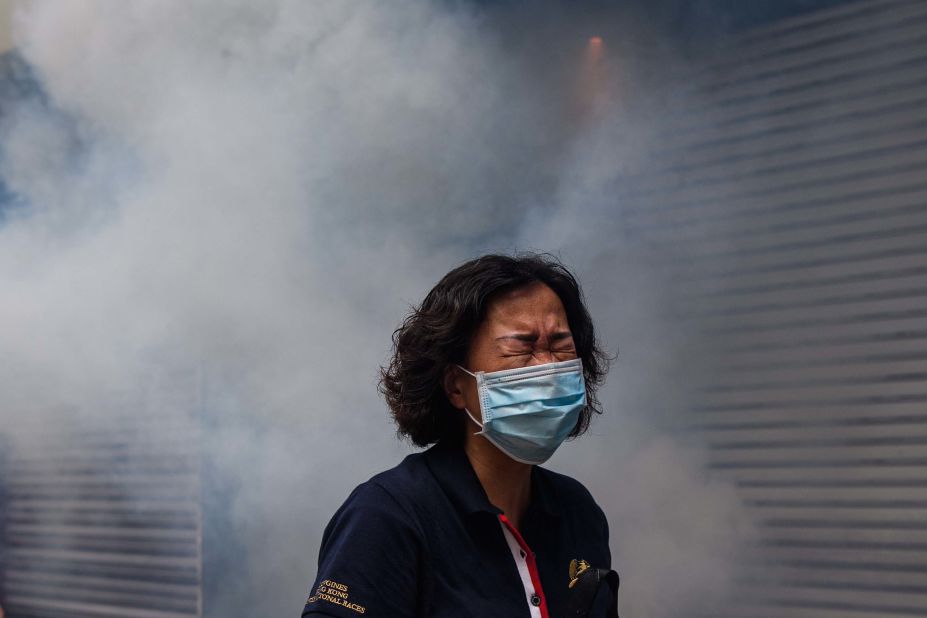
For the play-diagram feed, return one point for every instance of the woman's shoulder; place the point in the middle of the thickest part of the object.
(395, 489)
(370, 552)
(570, 493)
(567, 487)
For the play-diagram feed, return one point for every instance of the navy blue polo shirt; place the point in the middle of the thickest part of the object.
(422, 539)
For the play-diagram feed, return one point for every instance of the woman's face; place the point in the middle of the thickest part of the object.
(524, 326)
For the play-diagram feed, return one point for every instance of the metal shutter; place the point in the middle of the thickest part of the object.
(103, 510)
(791, 203)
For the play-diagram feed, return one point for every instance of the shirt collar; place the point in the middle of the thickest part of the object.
(451, 467)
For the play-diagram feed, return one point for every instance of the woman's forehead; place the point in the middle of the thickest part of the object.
(533, 305)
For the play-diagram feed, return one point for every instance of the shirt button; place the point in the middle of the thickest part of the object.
(535, 599)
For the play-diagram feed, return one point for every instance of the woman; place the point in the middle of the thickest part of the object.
(495, 369)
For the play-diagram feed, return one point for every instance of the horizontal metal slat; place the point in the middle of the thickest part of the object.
(160, 494)
(798, 377)
(849, 281)
(823, 331)
(791, 280)
(849, 434)
(855, 474)
(834, 312)
(104, 466)
(124, 477)
(127, 456)
(23, 567)
(848, 251)
(78, 580)
(55, 528)
(123, 503)
(776, 225)
(900, 539)
(851, 494)
(826, 249)
(796, 40)
(108, 558)
(734, 608)
(731, 425)
(825, 295)
(859, 560)
(145, 602)
(849, 601)
(817, 456)
(110, 545)
(821, 576)
(17, 605)
(892, 187)
(125, 518)
(847, 393)
(831, 359)
(812, 465)
(846, 229)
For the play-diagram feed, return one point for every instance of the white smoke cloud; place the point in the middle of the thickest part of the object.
(259, 191)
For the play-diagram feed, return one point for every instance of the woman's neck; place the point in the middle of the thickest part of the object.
(507, 482)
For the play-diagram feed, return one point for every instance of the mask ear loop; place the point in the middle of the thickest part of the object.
(473, 419)
(465, 407)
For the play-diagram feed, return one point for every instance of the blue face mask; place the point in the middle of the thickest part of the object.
(528, 412)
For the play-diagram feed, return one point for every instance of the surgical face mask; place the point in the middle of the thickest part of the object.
(528, 412)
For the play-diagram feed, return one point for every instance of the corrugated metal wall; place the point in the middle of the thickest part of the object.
(103, 514)
(792, 197)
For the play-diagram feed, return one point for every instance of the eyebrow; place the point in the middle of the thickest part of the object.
(532, 337)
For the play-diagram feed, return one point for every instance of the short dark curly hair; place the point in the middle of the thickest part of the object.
(437, 334)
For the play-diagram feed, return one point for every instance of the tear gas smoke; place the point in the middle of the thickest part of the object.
(257, 192)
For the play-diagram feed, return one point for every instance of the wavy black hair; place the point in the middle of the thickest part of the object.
(437, 334)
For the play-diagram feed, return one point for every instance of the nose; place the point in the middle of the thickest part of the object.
(541, 357)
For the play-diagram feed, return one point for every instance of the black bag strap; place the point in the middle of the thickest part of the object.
(584, 588)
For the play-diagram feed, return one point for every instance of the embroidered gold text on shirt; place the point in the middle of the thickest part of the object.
(336, 593)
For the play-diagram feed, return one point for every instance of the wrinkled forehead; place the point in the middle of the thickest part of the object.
(528, 307)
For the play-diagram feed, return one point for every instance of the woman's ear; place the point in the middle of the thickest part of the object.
(453, 387)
